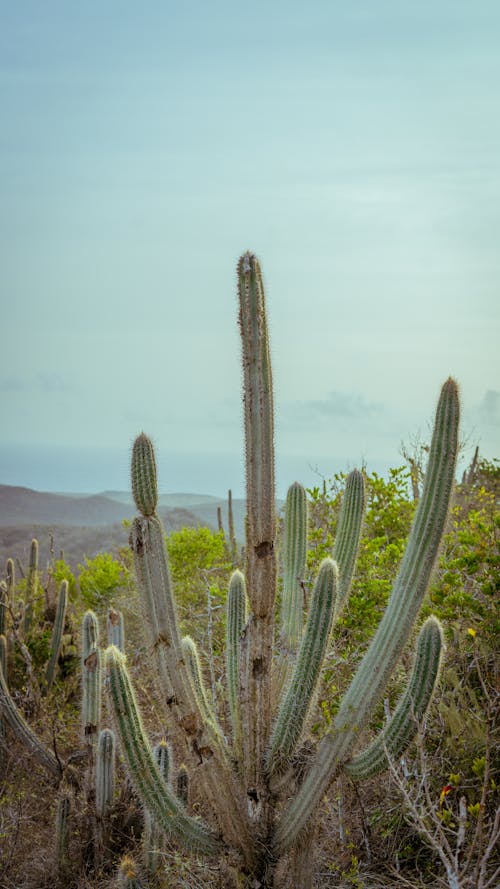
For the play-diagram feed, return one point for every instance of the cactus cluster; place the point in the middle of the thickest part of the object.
(259, 794)
(245, 778)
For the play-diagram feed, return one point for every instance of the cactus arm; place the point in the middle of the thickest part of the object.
(146, 777)
(183, 784)
(116, 629)
(144, 483)
(403, 726)
(296, 702)
(294, 563)
(395, 627)
(153, 839)
(348, 534)
(235, 622)
(31, 586)
(63, 814)
(25, 735)
(57, 631)
(192, 660)
(261, 521)
(105, 773)
(91, 677)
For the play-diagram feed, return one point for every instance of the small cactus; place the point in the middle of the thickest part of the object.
(91, 676)
(31, 586)
(63, 815)
(105, 773)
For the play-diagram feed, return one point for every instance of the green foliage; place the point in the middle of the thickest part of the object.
(60, 570)
(101, 580)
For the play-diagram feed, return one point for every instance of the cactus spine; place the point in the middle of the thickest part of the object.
(411, 709)
(105, 773)
(57, 631)
(116, 629)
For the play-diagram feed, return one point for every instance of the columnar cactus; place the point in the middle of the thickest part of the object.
(153, 836)
(57, 633)
(105, 773)
(91, 677)
(31, 586)
(261, 795)
(116, 629)
(63, 814)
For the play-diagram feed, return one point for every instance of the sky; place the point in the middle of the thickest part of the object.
(354, 147)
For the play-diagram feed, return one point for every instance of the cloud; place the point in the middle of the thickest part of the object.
(337, 405)
(487, 411)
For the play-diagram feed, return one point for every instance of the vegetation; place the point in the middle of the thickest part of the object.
(325, 699)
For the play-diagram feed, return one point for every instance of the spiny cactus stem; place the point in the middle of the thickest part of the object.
(236, 620)
(395, 627)
(24, 733)
(146, 777)
(105, 773)
(348, 534)
(144, 483)
(31, 585)
(116, 629)
(294, 562)
(404, 723)
(299, 694)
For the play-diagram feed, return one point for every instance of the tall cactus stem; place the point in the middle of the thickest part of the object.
(105, 773)
(91, 677)
(261, 521)
(298, 697)
(404, 724)
(235, 622)
(24, 733)
(294, 564)
(63, 816)
(183, 784)
(31, 586)
(144, 483)
(192, 660)
(143, 769)
(395, 627)
(57, 633)
(348, 534)
(153, 836)
(116, 629)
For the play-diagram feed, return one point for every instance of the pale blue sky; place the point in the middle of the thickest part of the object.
(354, 147)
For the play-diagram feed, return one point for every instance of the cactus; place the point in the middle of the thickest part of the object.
(3, 672)
(127, 876)
(31, 586)
(91, 677)
(183, 784)
(259, 814)
(57, 631)
(235, 622)
(153, 835)
(63, 814)
(411, 709)
(105, 773)
(25, 735)
(116, 629)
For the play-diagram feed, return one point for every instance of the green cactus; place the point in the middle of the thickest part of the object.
(235, 622)
(153, 835)
(116, 629)
(105, 773)
(57, 633)
(25, 735)
(63, 815)
(144, 487)
(297, 699)
(183, 784)
(31, 586)
(259, 814)
(91, 677)
(143, 769)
